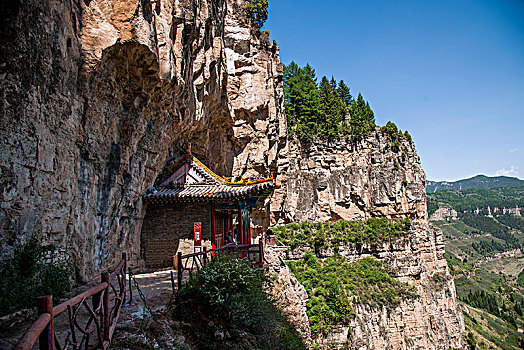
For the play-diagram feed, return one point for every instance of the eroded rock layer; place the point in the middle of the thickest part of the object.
(345, 180)
(97, 95)
(327, 181)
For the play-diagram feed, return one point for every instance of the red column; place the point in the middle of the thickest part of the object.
(240, 226)
(213, 238)
(248, 226)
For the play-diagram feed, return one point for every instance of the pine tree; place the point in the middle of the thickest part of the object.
(330, 110)
(362, 118)
(345, 95)
(291, 84)
(301, 99)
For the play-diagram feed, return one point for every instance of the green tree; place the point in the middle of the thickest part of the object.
(345, 94)
(362, 118)
(332, 109)
(301, 99)
(257, 10)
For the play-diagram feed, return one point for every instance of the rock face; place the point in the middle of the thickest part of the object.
(344, 180)
(289, 294)
(96, 96)
(432, 320)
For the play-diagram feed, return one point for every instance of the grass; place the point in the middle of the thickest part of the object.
(510, 266)
(490, 331)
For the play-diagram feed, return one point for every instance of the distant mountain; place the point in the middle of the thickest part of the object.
(479, 181)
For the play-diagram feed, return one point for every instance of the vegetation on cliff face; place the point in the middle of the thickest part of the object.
(320, 235)
(34, 270)
(333, 286)
(228, 294)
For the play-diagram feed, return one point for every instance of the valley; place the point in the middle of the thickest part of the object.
(483, 234)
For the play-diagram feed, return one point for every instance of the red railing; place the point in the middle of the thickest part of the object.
(190, 262)
(98, 319)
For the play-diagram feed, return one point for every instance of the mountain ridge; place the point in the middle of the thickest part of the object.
(478, 181)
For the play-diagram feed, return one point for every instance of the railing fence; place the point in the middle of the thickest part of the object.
(99, 308)
(189, 262)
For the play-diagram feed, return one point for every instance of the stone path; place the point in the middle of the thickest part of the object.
(156, 288)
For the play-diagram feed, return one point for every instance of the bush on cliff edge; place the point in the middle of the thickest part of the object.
(228, 294)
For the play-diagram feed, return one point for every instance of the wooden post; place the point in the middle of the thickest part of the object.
(213, 237)
(47, 337)
(261, 252)
(130, 287)
(124, 270)
(179, 270)
(105, 301)
(173, 282)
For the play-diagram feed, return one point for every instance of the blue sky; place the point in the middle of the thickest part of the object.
(450, 72)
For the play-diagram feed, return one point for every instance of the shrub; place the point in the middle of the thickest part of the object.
(319, 235)
(395, 165)
(333, 285)
(28, 275)
(230, 291)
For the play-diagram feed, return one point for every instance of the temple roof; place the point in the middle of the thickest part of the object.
(207, 192)
(191, 180)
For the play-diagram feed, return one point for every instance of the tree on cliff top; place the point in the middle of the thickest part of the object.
(302, 100)
(345, 95)
(320, 111)
(332, 109)
(257, 10)
(362, 118)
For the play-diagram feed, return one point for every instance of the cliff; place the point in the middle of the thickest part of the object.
(430, 319)
(327, 181)
(97, 95)
(346, 180)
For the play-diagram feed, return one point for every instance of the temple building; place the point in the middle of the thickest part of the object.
(191, 195)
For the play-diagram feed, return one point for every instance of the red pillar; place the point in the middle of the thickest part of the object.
(213, 238)
(248, 226)
(240, 226)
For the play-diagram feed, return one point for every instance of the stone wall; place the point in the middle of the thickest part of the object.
(168, 229)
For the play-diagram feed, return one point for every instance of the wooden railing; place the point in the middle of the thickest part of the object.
(98, 319)
(195, 261)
